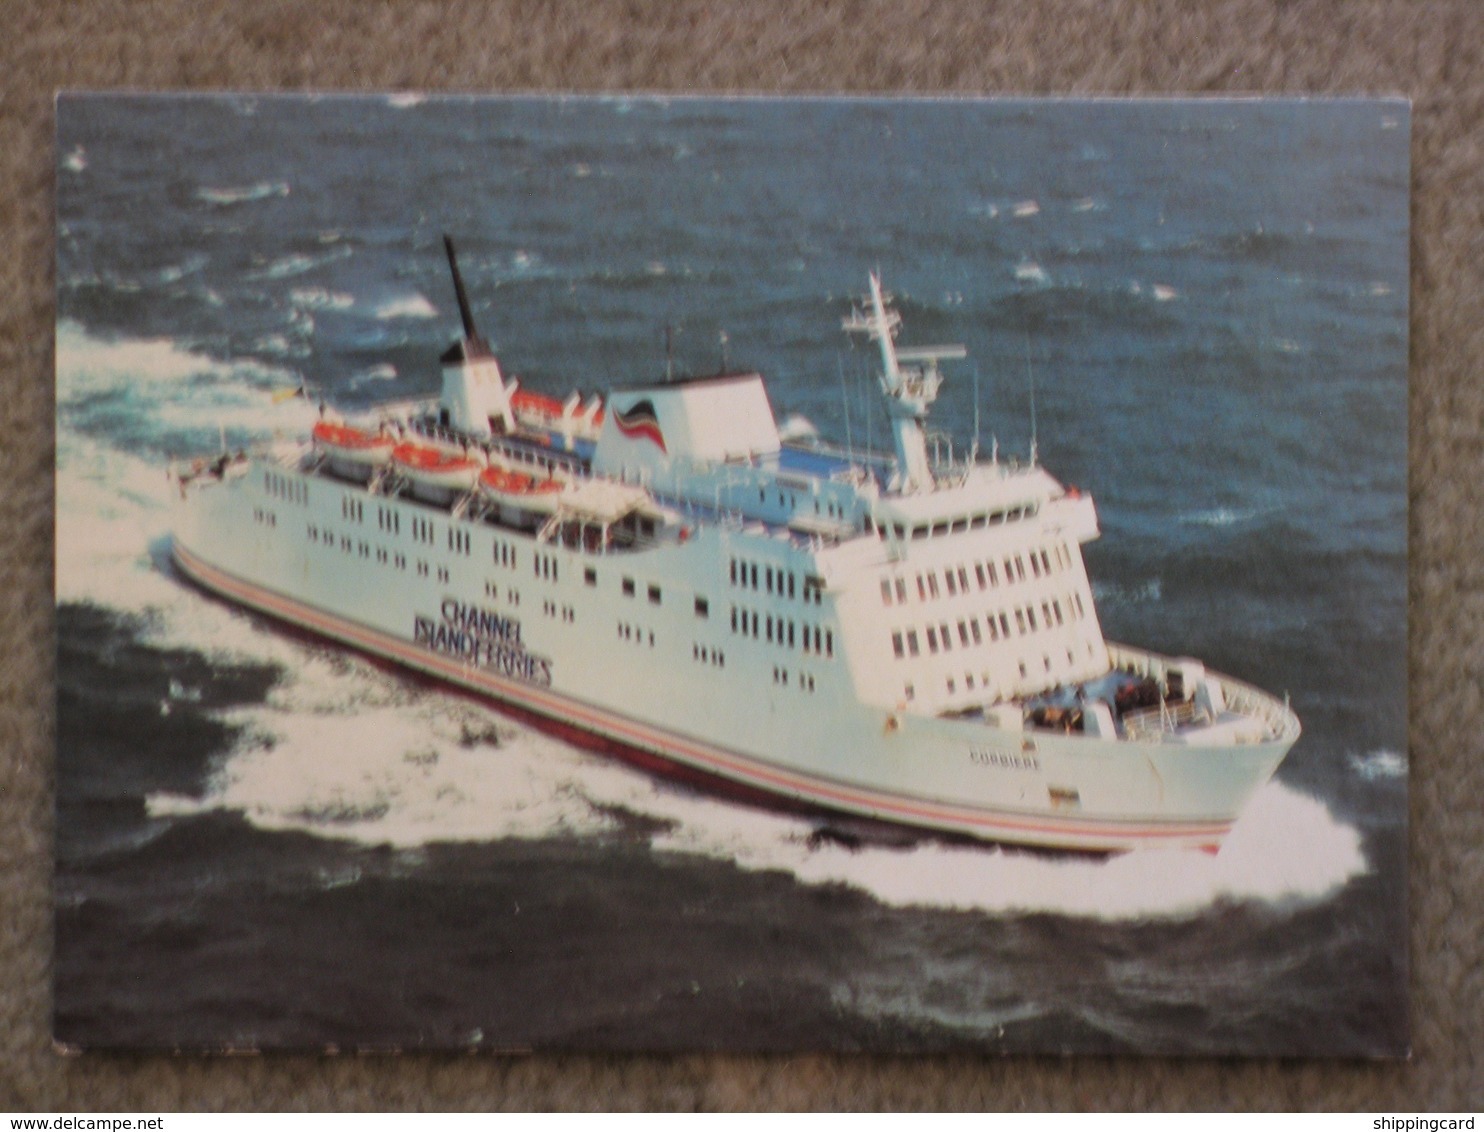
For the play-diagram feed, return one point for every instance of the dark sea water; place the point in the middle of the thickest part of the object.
(262, 841)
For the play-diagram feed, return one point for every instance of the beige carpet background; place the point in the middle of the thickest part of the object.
(1431, 52)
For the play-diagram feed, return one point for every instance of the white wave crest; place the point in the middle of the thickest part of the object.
(1150, 592)
(320, 299)
(383, 372)
(296, 264)
(1287, 848)
(1218, 516)
(405, 306)
(240, 194)
(1029, 271)
(1376, 765)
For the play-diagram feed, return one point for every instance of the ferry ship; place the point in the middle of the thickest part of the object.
(669, 575)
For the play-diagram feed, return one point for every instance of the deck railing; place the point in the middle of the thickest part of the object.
(1279, 721)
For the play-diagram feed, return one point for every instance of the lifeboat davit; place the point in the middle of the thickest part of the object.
(523, 499)
(435, 475)
(353, 453)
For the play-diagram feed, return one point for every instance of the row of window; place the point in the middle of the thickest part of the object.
(282, 487)
(781, 678)
(774, 580)
(950, 683)
(705, 654)
(996, 625)
(630, 588)
(783, 631)
(635, 633)
(512, 595)
(958, 524)
(267, 518)
(551, 609)
(986, 573)
(422, 529)
(545, 566)
(363, 549)
(789, 500)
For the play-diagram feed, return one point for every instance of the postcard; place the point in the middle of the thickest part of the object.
(680, 573)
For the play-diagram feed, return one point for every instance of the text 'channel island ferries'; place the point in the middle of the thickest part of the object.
(886, 636)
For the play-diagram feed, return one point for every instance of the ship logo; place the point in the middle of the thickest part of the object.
(639, 420)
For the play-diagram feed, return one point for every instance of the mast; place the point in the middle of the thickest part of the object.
(909, 380)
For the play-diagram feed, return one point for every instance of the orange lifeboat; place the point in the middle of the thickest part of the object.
(522, 499)
(435, 475)
(353, 453)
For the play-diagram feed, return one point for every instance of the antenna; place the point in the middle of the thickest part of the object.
(974, 450)
(723, 351)
(669, 351)
(1031, 378)
(845, 402)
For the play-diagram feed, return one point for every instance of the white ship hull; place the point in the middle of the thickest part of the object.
(893, 638)
(625, 669)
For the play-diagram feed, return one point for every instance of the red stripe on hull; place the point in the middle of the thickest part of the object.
(818, 796)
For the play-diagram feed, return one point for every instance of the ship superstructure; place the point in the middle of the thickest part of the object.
(882, 636)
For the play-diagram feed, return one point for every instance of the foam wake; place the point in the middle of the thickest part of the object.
(344, 750)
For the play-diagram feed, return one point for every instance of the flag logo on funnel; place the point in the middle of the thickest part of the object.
(639, 420)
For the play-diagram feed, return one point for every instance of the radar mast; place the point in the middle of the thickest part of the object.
(909, 380)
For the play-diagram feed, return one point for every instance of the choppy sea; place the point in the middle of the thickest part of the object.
(1198, 309)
